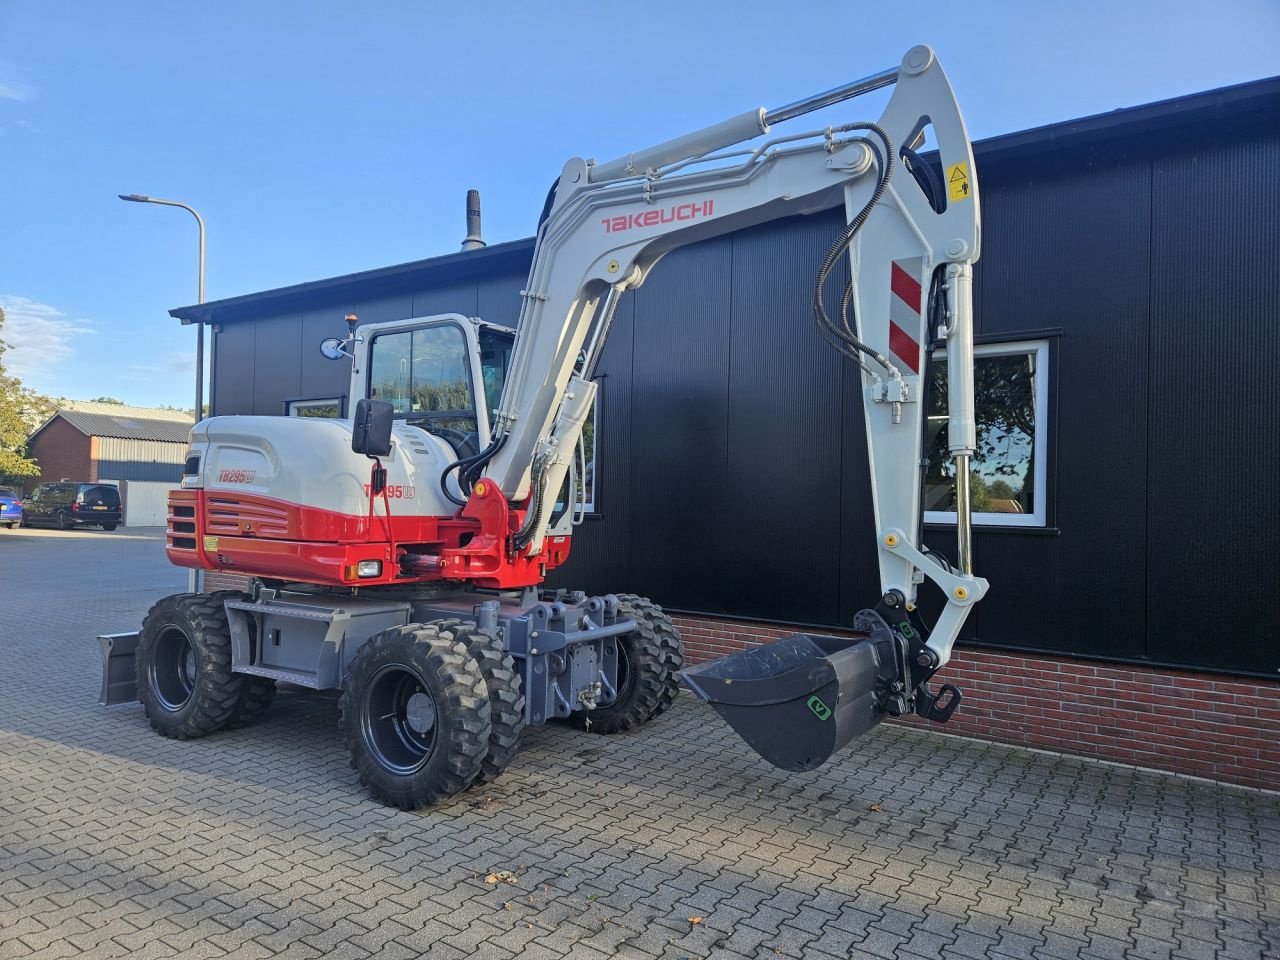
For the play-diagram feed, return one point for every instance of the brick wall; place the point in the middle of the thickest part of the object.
(1202, 724)
(61, 451)
(1211, 726)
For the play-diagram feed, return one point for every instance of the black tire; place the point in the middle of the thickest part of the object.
(15, 524)
(256, 693)
(255, 697)
(184, 666)
(64, 521)
(415, 715)
(649, 659)
(109, 526)
(506, 698)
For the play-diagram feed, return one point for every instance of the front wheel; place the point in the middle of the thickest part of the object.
(64, 520)
(184, 666)
(415, 715)
(649, 660)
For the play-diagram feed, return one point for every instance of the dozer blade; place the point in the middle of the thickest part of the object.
(795, 701)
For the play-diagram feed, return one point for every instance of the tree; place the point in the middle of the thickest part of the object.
(21, 411)
(119, 403)
(1004, 411)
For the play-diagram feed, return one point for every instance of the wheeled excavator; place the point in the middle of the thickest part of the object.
(399, 556)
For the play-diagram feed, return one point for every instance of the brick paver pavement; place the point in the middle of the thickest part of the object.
(259, 843)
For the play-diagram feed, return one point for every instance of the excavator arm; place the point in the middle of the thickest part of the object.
(910, 242)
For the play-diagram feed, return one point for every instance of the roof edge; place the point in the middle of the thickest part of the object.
(1194, 106)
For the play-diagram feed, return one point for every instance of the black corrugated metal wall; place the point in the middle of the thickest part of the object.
(732, 467)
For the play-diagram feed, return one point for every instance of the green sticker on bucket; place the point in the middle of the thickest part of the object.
(820, 709)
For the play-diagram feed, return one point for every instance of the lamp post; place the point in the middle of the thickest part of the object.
(140, 198)
(193, 576)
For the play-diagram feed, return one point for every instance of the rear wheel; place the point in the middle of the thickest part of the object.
(649, 659)
(416, 715)
(109, 526)
(184, 666)
(63, 520)
(506, 699)
(255, 697)
(256, 693)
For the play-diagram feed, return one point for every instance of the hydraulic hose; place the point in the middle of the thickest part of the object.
(842, 337)
(466, 478)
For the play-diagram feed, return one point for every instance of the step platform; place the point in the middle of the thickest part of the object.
(795, 701)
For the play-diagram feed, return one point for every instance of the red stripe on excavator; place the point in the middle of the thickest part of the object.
(901, 343)
(906, 287)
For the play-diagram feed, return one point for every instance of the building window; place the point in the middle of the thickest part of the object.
(328, 407)
(1008, 477)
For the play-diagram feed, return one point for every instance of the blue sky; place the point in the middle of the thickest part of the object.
(324, 137)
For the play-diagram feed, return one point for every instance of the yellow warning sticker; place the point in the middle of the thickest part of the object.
(958, 182)
(211, 544)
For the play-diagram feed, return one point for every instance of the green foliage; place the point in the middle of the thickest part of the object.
(21, 411)
(107, 400)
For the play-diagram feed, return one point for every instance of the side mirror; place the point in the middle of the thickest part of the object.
(333, 348)
(371, 428)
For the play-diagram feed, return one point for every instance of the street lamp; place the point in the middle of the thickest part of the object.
(140, 198)
(193, 576)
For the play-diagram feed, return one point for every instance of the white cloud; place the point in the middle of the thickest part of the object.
(39, 336)
(12, 90)
(171, 363)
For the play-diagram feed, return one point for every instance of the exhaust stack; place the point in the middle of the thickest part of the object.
(473, 240)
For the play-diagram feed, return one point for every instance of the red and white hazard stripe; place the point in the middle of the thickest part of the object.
(905, 305)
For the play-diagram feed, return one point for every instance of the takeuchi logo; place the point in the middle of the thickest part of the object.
(652, 218)
(237, 476)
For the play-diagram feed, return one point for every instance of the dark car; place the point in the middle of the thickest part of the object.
(10, 507)
(66, 505)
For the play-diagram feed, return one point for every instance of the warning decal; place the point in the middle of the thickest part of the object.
(958, 181)
(904, 311)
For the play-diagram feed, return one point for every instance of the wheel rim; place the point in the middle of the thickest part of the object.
(399, 718)
(626, 678)
(174, 668)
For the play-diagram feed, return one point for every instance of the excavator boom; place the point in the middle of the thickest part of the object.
(910, 243)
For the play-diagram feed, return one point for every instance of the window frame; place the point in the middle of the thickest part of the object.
(471, 365)
(1039, 519)
(303, 402)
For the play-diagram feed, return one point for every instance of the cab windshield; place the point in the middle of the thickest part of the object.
(495, 355)
(426, 377)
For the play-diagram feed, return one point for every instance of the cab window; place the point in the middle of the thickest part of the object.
(495, 356)
(425, 375)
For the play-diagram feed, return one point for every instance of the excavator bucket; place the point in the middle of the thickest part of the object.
(795, 701)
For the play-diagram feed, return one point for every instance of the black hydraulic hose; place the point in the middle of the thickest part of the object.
(548, 204)
(928, 178)
(536, 495)
(465, 465)
(845, 340)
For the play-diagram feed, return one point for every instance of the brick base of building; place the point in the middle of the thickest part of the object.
(1201, 724)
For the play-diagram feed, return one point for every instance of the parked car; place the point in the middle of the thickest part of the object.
(67, 505)
(10, 507)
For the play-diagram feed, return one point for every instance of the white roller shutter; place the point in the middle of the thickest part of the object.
(145, 502)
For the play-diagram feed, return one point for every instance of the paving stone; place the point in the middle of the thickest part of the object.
(259, 843)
